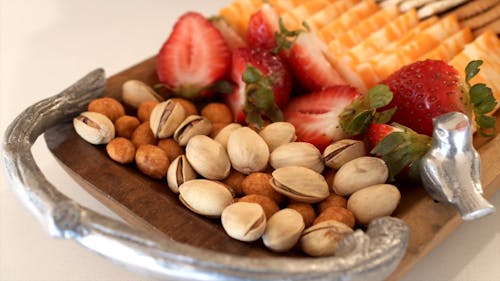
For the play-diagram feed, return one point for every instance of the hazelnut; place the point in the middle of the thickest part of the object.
(270, 207)
(121, 150)
(144, 110)
(306, 210)
(188, 106)
(143, 135)
(336, 213)
(234, 181)
(125, 126)
(330, 201)
(110, 107)
(171, 147)
(152, 161)
(217, 113)
(216, 128)
(258, 183)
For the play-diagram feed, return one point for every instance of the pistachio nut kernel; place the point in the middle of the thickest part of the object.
(283, 230)
(225, 132)
(244, 221)
(191, 126)
(297, 154)
(205, 197)
(94, 127)
(278, 133)
(359, 173)
(179, 172)
(343, 151)
(247, 151)
(165, 118)
(208, 157)
(321, 239)
(134, 92)
(299, 183)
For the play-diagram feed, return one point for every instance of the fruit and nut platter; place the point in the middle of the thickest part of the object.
(287, 125)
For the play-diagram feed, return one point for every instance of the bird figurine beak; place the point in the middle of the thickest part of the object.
(451, 169)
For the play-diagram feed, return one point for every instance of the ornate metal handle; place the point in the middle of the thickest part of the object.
(372, 255)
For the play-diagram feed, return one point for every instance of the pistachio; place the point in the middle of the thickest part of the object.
(205, 197)
(179, 172)
(373, 202)
(343, 151)
(225, 132)
(297, 154)
(322, 239)
(359, 173)
(165, 118)
(268, 205)
(299, 183)
(193, 125)
(208, 157)
(94, 127)
(306, 210)
(278, 133)
(283, 230)
(134, 92)
(244, 221)
(247, 151)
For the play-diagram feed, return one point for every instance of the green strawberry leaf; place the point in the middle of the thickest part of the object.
(472, 69)
(389, 143)
(379, 96)
(223, 87)
(384, 116)
(251, 75)
(359, 123)
(284, 37)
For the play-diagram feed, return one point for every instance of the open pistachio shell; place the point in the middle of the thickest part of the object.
(244, 221)
(299, 183)
(191, 126)
(205, 197)
(135, 92)
(283, 230)
(322, 239)
(179, 172)
(165, 118)
(94, 127)
(297, 154)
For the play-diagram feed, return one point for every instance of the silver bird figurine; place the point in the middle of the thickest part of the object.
(451, 169)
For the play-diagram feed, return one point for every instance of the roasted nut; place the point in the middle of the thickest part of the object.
(143, 135)
(258, 183)
(152, 161)
(306, 210)
(121, 150)
(329, 175)
(217, 113)
(125, 126)
(134, 92)
(225, 132)
(94, 127)
(336, 213)
(144, 110)
(193, 125)
(165, 118)
(208, 157)
(244, 221)
(110, 107)
(359, 173)
(205, 197)
(330, 201)
(171, 147)
(283, 230)
(343, 151)
(299, 183)
(278, 133)
(270, 207)
(234, 181)
(297, 154)
(179, 172)
(247, 151)
(322, 239)
(189, 107)
(373, 202)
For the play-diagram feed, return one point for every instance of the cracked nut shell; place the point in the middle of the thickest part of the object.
(94, 127)
(205, 197)
(244, 221)
(179, 172)
(299, 183)
(165, 118)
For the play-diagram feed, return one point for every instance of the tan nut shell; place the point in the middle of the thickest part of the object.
(278, 133)
(208, 158)
(179, 172)
(343, 151)
(283, 230)
(322, 239)
(244, 221)
(134, 92)
(205, 197)
(247, 151)
(165, 118)
(301, 184)
(301, 154)
(191, 126)
(225, 132)
(94, 127)
(360, 173)
(373, 202)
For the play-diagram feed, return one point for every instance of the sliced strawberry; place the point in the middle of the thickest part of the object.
(194, 57)
(316, 115)
(261, 28)
(377, 132)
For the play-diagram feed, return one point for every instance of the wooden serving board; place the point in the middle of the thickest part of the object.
(149, 204)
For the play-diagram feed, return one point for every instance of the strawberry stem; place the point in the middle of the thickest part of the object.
(284, 37)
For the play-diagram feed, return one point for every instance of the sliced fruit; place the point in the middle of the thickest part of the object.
(261, 28)
(450, 47)
(329, 13)
(232, 38)
(377, 132)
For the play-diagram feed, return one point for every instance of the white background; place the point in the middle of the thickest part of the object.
(46, 46)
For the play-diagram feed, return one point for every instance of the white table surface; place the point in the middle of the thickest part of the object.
(46, 46)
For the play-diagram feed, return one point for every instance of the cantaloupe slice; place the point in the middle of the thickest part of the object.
(238, 13)
(450, 47)
(282, 6)
(329, 13)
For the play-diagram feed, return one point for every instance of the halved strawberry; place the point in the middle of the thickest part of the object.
(194, 57)
(316, 115)
(261, 28)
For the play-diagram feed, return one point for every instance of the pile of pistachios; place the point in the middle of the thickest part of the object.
(262, 184)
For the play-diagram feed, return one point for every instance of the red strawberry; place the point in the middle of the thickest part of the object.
(261, 28)
(194, 57)
(377, 132)
(316, 115)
